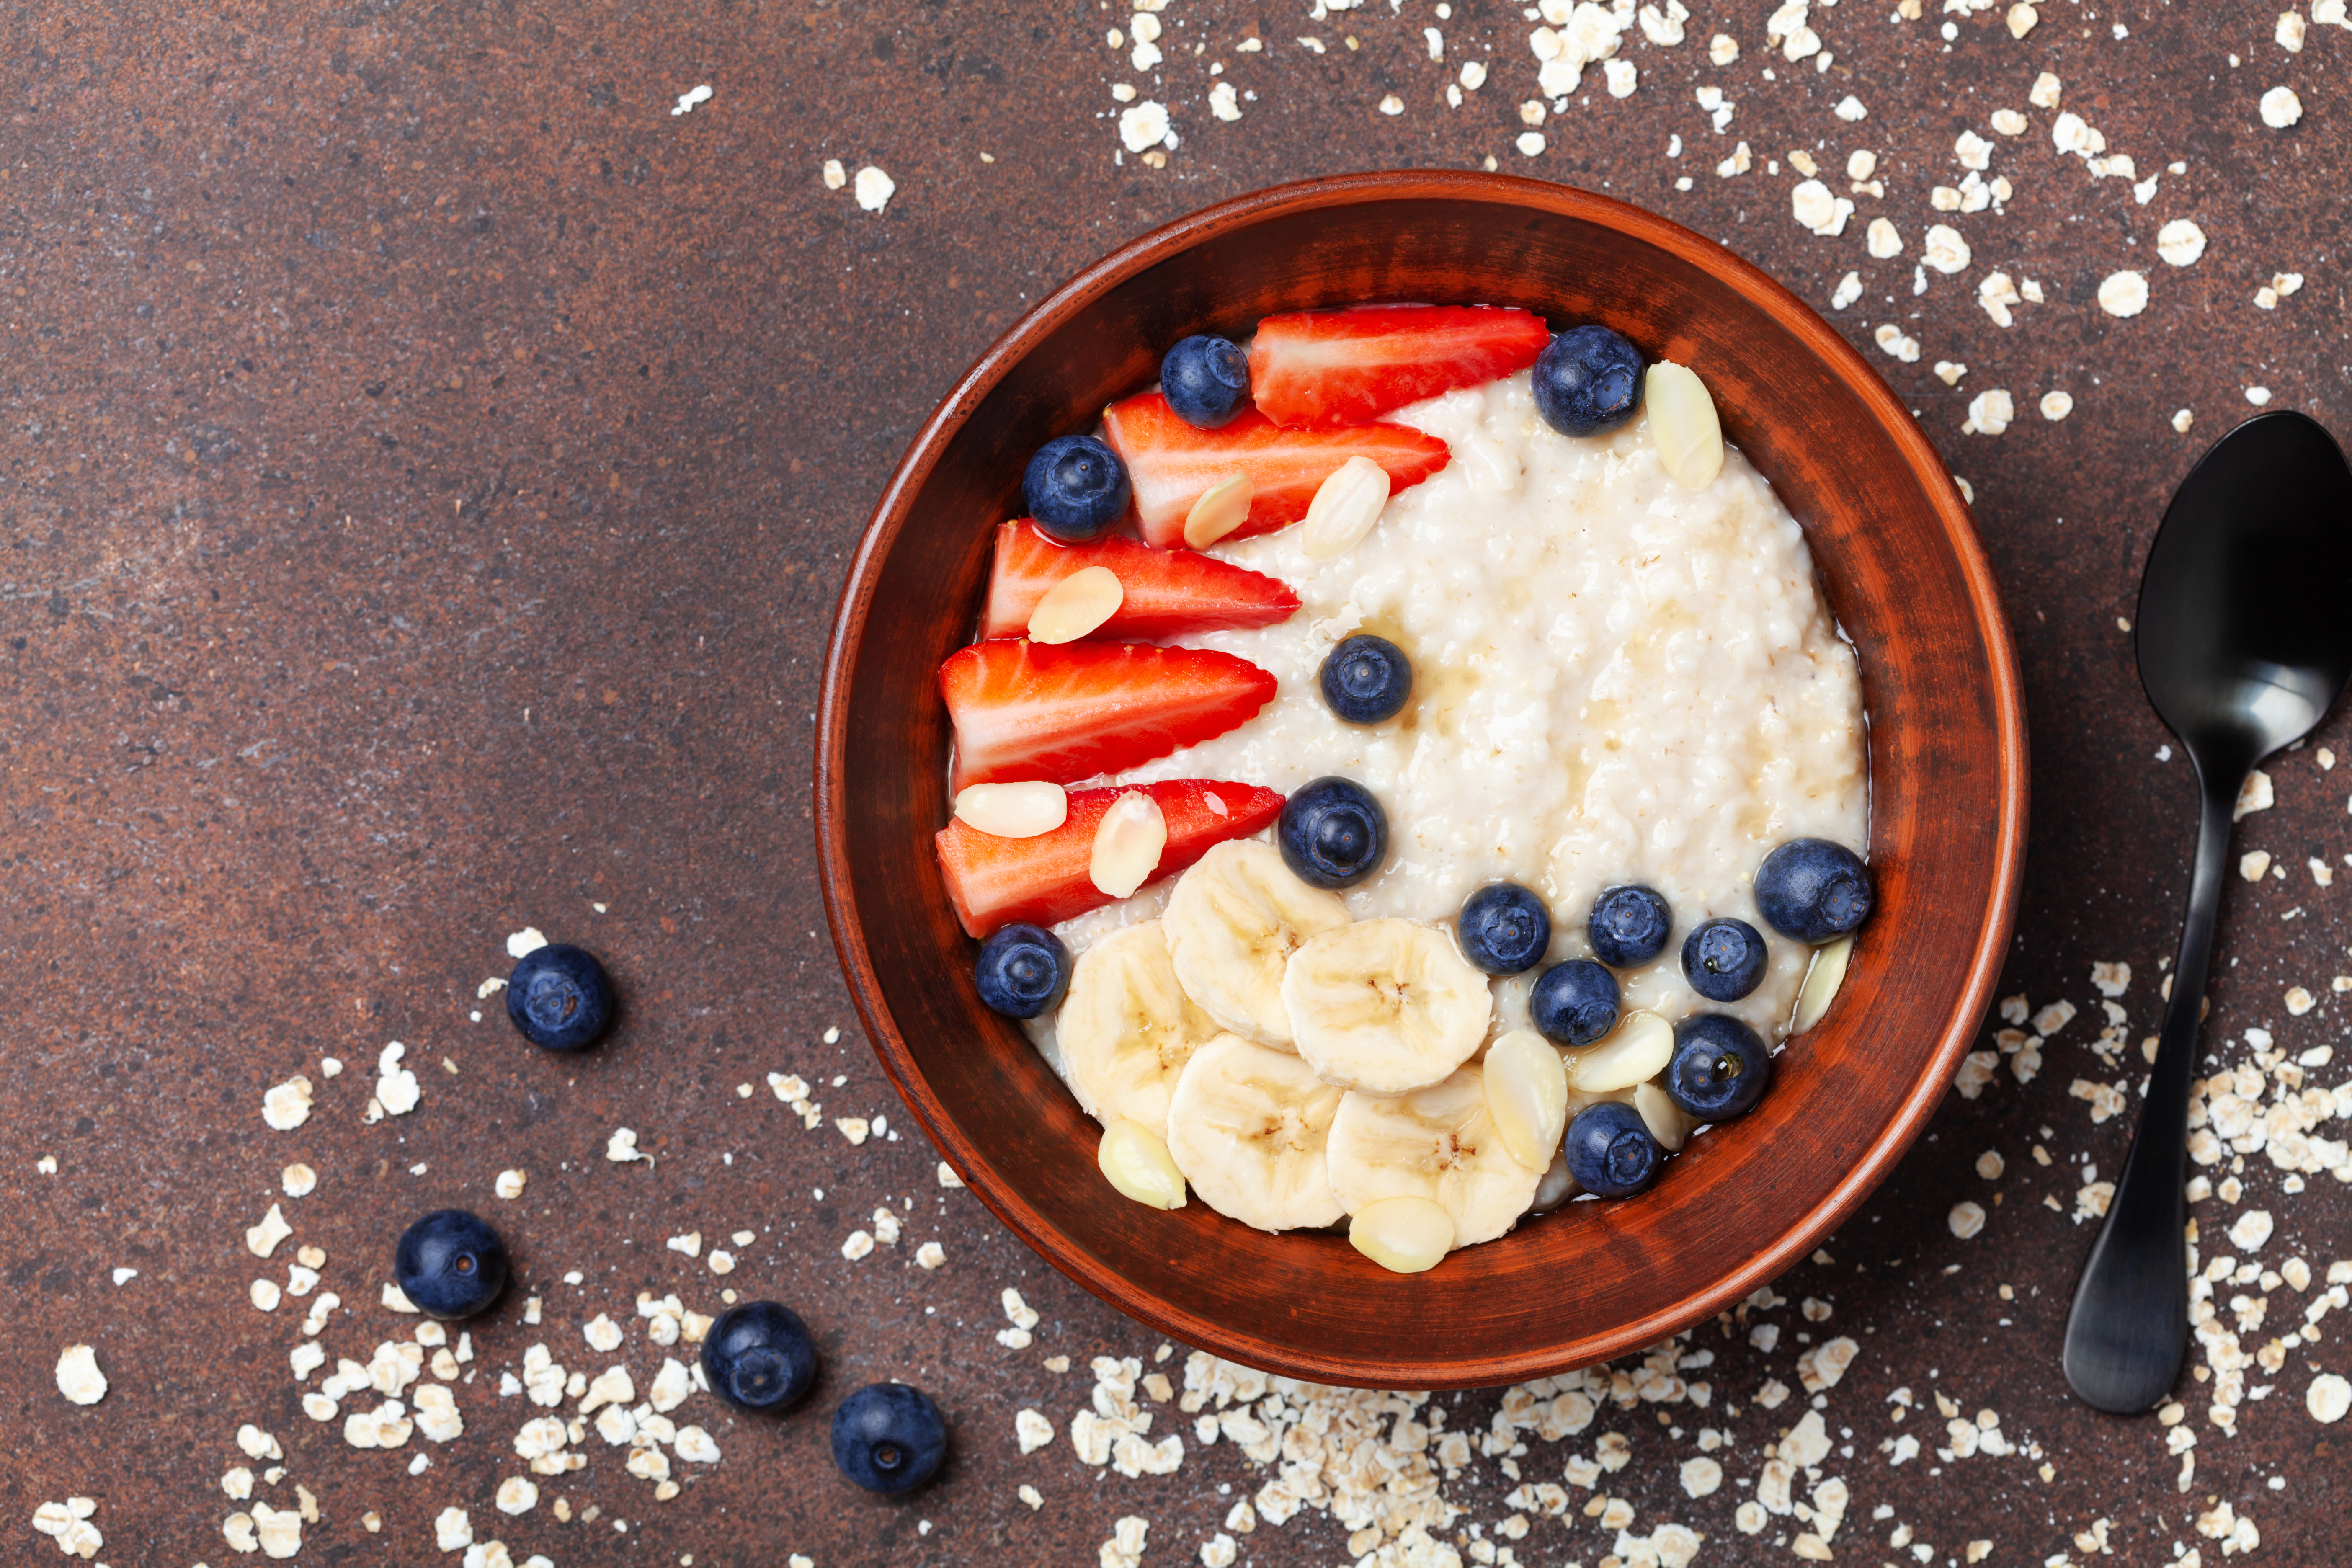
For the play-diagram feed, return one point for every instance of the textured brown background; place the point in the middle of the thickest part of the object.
(427, 467)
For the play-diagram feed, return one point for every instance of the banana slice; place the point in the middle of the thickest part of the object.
(1233, 922)
(1126, 1029)
(1384, 1005)
(1437, 1144)
(1247, 1129)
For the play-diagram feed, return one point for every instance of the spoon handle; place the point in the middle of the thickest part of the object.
(2130, 1323)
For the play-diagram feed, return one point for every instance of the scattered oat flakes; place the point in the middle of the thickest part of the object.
(509, 1185)
(721, 1262)
(836, 176)
(1989, 413)
(874, 188)
(2124, 293)
(2254, 864)
(2180, 242)
(1945, 251)
(2056, 406)
(2328, 1398)
(287, 1105)
(2299, 1001)
(692, 95)
(2281, 108)
(622, 1147)
(1967, 1219)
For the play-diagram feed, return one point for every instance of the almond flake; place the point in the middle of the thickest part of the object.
(1133, 833)
(1071, 608)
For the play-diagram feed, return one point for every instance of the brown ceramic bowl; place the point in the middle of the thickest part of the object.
(1903, 570)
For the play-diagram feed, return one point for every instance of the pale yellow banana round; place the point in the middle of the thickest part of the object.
(1403, 1235)
(1134, 1159)
(1233, 922)
(1437, 1144)
(1637, 1049)
(1247, 1129)
(1527, 1094)
(1126, 1029)
(1384, 1005)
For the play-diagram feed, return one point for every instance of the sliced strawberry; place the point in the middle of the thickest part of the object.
(1171, 463)
(1168, 592)
(993, 881)
(1031, 711)
(1343, 367)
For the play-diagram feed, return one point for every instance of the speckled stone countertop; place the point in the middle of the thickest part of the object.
(428, 468)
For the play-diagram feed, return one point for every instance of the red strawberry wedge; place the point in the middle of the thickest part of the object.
(1343, 367)
(1031, 711)
(1167, 592)
(1171, 463)
(995, 881)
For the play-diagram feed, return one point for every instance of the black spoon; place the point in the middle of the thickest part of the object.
(2244, 640)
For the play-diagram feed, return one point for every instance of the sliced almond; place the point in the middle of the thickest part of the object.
(1683, 424)
(1076, 605)
(1223, 508)
(1822, 978)
(1134, 1160)
(1345, 508)
(1013, 810)
(1402, 1235)
(1662, 1117)
(1639, 1047)
(1128, 844)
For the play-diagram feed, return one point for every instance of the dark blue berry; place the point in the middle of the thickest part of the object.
(1205, 381)
(449, 1265)
(759, 1356)
(1588, 380)
(1367, 679)
(1719, 1069)
(1629, 926)
(1723, 959)
(889, 1437)
(1610, 1152)
(1811, 889)
(1076, 487)
(1574, 1004)
(559, 997)
(1023, 970)
(1333, 833)
(1504, 929)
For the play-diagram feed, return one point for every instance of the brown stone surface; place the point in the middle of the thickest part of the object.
(427, 466)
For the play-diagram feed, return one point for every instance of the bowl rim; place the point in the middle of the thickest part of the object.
(893, 510)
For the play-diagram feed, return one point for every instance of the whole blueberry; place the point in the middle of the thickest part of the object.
(1333, 833)
(889, 1437)
(1076, 487)
(1629, 926)
(1205, 381)
(1588, 380)
(559, 997)
(1503, 928)
(1719, 1069)
(1574, 1004)
(1610, 1152)
(1367, 679)
(449, 1265)
(1723, 959)
(1023, 970)
(759, 1356)
(1812, 889)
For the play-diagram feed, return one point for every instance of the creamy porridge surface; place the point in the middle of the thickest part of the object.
(1615, 679)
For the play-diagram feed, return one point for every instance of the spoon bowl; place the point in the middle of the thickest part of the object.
(2244, 643)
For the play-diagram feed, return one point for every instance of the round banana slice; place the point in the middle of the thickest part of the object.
(1384, 1005)
(1247, 1129)
(1638, 1049)
(1437, 1144)
(1126, 1029)
(1233, 922)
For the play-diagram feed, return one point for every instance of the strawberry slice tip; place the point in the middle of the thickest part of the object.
(1171, 463)
(1166, 593)
(1343, 367)
(1067, 712)
(993, 881)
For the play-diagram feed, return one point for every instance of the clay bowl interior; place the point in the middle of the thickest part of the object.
(1898, 560)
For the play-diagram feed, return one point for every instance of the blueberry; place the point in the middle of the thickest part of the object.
(1588, 380)
(759, 1356)
(1629, 926)
(449, 1265)
(1503, 928)
(1610, 1152)
(1574, 1004)
(889, 1437)
(1812, 889)
(1723, 959)
(1719, 1069)
(1366, 680)
(559, 997)
(1075, 487)
(1023, 970)
(1333, 833)
(1205, 381)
